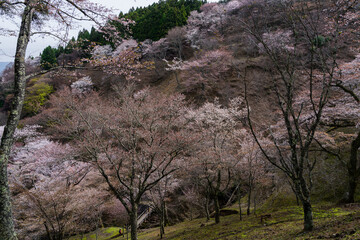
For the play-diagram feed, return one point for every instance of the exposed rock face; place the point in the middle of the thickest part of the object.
(83, 85)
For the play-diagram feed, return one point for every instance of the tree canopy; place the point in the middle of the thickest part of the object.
(154, 21)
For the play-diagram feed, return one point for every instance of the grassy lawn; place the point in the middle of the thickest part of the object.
(101, 234)
(287, 223)
(331, 222)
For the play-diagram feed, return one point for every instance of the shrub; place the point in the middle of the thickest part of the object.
(36, 97)
(320, 41)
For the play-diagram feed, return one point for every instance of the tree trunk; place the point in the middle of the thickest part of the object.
(127, 231)
(248, 202)
(308, 216)
(180, 50)
(6, 222)
(47, 231)
(207, 208)
(166, 215)
(216, 197)
(161, 225)
(177, 79)
(239, 200)
(254, 203)
(302, 191)
(162, 219)
(133, 221)
(350, 198)
(217, 208)
(353, 170)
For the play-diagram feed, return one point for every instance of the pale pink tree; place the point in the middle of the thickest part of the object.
(309, 56)
(133, 140)
(343, 111)
(176, 65)
(111, 29)
(48, 184)
(159, 198)
(207, 28)
(127, 64)
(34, 16)
(215, 153)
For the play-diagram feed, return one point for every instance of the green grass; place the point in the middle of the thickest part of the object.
(331, 222)
(285, 223)
(102, 234)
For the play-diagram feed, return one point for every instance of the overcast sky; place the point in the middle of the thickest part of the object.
(37, 44)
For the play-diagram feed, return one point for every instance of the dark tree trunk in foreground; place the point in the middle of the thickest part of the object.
(207, 211)
(239, 201)
(353, 170)
(249, 201)
(308, 216)
(6, 222)
(216, 198)
(217, 209)
(133, 221)
(162, 218)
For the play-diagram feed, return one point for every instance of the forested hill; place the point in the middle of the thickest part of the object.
(251, 104)
(154, 21)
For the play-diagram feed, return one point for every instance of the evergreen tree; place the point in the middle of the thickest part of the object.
(48, 58)
(153, 22)
(97, 37)
(59, 51)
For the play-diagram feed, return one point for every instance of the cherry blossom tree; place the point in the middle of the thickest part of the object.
(215, 154)
(251, 166)
(48, 184)
(135, 140)
(175, 65)
(343, 111)
(208, 27)
(127, 64)
(31, 11)
(159, 195)
(307, 55)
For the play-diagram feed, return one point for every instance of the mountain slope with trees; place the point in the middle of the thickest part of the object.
(248, 102)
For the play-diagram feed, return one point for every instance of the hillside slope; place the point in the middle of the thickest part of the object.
(102, 135)
(284, 222)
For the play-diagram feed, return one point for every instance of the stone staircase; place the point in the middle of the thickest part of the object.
(144, 214)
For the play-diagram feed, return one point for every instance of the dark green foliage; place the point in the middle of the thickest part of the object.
(97, 37)
(59, 51)
(320, 41)
(84, 34)
(48, 58)
(70, 46)
(154, 21)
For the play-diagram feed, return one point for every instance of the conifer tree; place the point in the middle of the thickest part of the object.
(48, 58)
